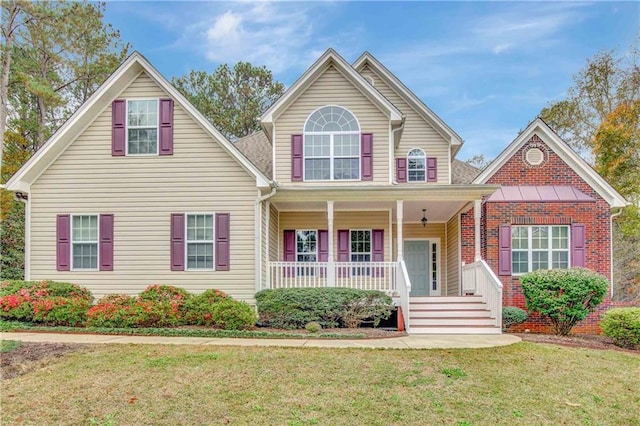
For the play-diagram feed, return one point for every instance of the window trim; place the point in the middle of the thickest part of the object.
(550, 250)
(317, 254)
(331, 156)
(126, 133)
(72, 242)
(424, 169)
(370, 231)
(186, 241)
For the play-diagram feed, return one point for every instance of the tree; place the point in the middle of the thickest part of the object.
(478, 161)
(600, 87)
(232, 99)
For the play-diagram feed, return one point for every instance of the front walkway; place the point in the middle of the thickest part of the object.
(406, 342)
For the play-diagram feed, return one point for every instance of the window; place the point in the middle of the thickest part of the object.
(306, 246)
(417, 165)
(142, 126)
(84, 242)
(200, 241)
(539, 247)
(360, 250)
(332, 145)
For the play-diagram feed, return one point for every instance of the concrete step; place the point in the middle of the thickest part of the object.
(444, 299)
(448, 313)
(454, 330)
(446, 306)
(451, 321)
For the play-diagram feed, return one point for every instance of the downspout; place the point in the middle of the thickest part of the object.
(21, 196)
(616, 214)
(392, 157)
(258, 235)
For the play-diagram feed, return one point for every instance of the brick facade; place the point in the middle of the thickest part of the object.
(595, 215)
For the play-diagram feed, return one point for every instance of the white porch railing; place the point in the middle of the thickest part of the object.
(404, 288)
(360, 275)
(479, 277)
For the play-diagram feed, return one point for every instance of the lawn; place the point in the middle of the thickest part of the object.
(526, 383)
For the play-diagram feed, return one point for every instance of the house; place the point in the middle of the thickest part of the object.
(352, 182)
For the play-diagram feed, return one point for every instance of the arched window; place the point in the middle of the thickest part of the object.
(416, 165)
(332, 145)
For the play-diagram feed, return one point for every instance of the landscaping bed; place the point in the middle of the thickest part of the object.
(588, 341)
(21, 357)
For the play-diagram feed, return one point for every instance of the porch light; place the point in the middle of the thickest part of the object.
(424, 217)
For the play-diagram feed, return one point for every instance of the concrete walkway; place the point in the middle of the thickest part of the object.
(448, 341)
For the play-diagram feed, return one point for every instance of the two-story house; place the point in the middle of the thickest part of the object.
(353, 182)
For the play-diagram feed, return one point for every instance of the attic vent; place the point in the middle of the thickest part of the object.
(534, 156)
(370, 79)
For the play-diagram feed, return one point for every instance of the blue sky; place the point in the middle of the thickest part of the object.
(486, 68)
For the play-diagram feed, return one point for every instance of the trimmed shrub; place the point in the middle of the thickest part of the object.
(165, 293)
(512, 315)
(199, 308)
(291, 308)
(61, 311)
(313, 327)
(623, 326)
(564, 296)
(375, 306)
(233, 315)
(122, 311)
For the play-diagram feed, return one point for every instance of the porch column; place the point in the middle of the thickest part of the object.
(266, 244)
(399, 220)
(331, 269)
(477, 215)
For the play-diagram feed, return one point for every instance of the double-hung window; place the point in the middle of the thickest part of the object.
(306, 250)
(360, 250)
(417, 165)
(331, 145)
(142, 126)
(84, 242)
(199, 241)
(539, 247)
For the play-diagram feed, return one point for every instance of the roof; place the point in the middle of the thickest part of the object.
(569, 156)
(462, 173)
(328, 58)
(547, 194)
(416, 103)
(128, 71)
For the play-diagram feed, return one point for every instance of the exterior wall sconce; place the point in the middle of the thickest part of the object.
(424, 218)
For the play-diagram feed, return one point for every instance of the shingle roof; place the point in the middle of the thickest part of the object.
(257, 148)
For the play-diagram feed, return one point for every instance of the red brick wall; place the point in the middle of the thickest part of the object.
(595, 215)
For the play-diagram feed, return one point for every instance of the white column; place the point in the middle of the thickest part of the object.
(477, 215)
(266, 249)
(331, 270)
(399, 220)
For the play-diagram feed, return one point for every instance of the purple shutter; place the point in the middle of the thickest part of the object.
(578, 244)
(289, 252)
(296, 158)
(165, 137)
(106, 242)
(223, 247)
(177, 242)
(63, 242)
(504, 250)
(401, 169)
(432, 169)
(367, 156)
(343, 251)
(377, 237)
(323, 246)
(118, 127)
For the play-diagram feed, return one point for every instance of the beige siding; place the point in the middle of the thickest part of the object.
(453, 257)
(273, 234)
(417, 132)
(332, 88)
(142, 192)
(341, 220)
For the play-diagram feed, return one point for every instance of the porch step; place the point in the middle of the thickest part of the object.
(446, 306)
(454, 329)
(449, 313)
(445, 299)
(451, 321)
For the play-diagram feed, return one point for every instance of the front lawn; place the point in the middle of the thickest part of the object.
(526, 383)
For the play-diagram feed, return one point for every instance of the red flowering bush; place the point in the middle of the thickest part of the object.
(121, 311)
(60, 310)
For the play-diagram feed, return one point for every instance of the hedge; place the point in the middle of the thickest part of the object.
(623, 326)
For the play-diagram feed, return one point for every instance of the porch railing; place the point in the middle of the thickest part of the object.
(479, 278)
(359, 275)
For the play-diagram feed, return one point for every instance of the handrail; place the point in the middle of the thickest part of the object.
(404, 288)
(479, 277)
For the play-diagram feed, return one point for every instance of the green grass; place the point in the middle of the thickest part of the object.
(520, 384)
(8, 345)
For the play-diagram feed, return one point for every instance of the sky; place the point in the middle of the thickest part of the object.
(486, 68)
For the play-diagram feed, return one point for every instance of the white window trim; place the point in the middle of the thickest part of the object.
(550, 250)
(97, 243)
(126, 133)
(370, 245)
(317, 252)
(186, 242)
(424, 158)
(332, 156)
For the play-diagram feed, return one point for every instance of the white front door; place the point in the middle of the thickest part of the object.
(421, 258)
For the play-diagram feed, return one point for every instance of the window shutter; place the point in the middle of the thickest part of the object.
(578, 245)
(63, 242)
(323, 246)
(432, 169)
(367, 156)
(377, 235)
(222, 250)
(504, 250)
(296, 158)
(343, 251)
(401, 169)
(118, 127)
(166, 127)
(290, 246)
(106, 242)
(177, 242)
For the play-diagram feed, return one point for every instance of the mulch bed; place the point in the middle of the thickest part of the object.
(588, 341)
(31, 356)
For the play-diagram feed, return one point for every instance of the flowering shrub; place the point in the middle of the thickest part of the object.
(60, 310)
(199, 309)
(165, 293)
(121, 311)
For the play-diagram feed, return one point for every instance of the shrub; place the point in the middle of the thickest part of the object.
(233, 315)
(623, 326)
(512, 315)
(165, 293)
(565, 296)
(313, 327)
(295, 307)
(199, 309)
(121, 311)
(62, 311)
(375, 306)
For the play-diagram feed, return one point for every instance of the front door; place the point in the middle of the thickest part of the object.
(416, 254)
